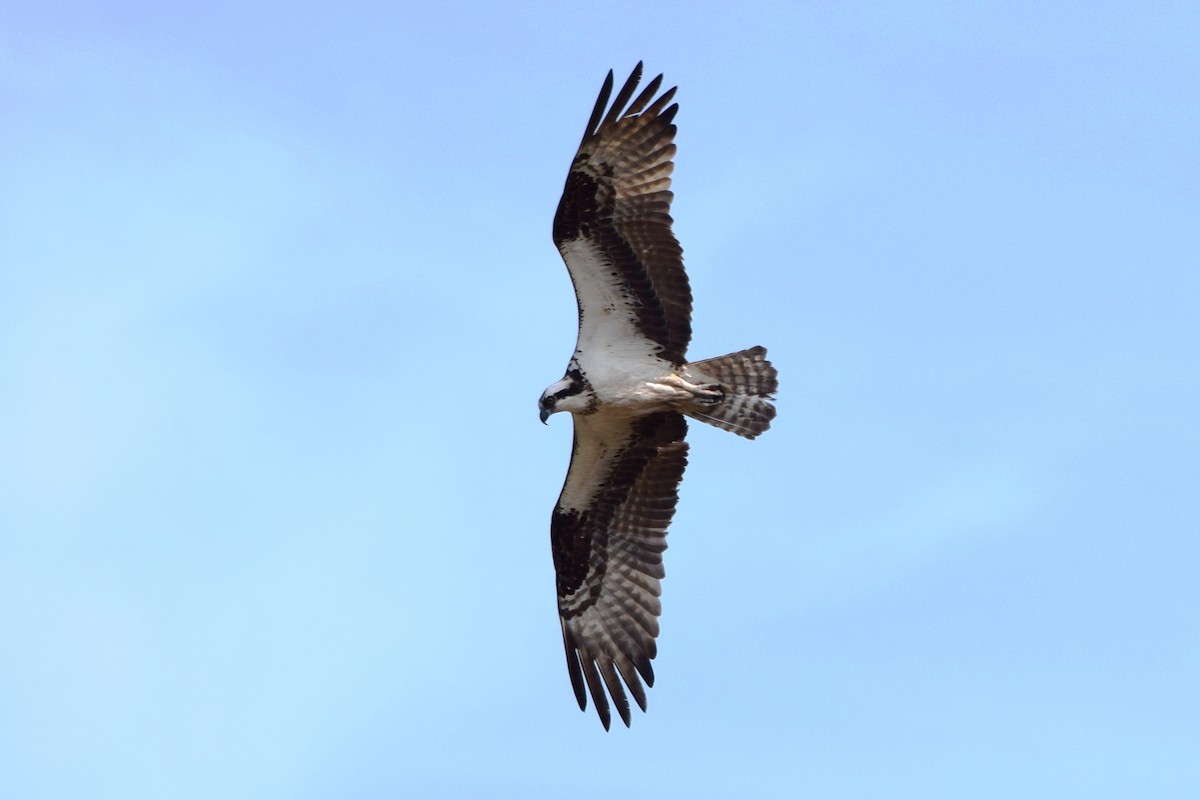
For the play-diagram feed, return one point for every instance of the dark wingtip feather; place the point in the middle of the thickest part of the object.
(617, 109)
(573, 668)
(615, 689)
(599, 699)
(598, 109)
(668, 116)
(646, 670)
(645, 97)
(635, 686)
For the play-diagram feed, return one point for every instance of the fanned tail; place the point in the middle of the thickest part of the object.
(747, 382)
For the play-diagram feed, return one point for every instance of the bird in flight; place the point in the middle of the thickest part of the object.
(628, 387)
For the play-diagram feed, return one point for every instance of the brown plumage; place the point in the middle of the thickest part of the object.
(628, 387)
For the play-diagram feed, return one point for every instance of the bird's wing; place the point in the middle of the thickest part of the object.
(608, 534)
(613, 226)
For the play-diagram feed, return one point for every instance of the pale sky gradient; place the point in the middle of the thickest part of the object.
(278, 297)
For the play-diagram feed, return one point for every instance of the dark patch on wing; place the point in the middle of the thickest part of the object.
(578, 209)
(571, 541)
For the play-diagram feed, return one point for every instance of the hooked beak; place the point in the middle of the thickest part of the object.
(544, 414)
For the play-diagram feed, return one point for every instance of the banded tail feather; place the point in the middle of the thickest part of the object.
(748, 382)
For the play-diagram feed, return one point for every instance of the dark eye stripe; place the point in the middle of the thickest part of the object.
(570, 391)
(578, 384)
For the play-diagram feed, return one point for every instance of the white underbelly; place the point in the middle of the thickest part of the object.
(636, 383)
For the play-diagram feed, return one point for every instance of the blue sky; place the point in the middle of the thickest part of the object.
(278, 296)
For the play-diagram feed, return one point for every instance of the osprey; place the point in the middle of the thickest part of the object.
(628, 387)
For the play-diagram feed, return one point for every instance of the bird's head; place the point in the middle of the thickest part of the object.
(570, 393)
